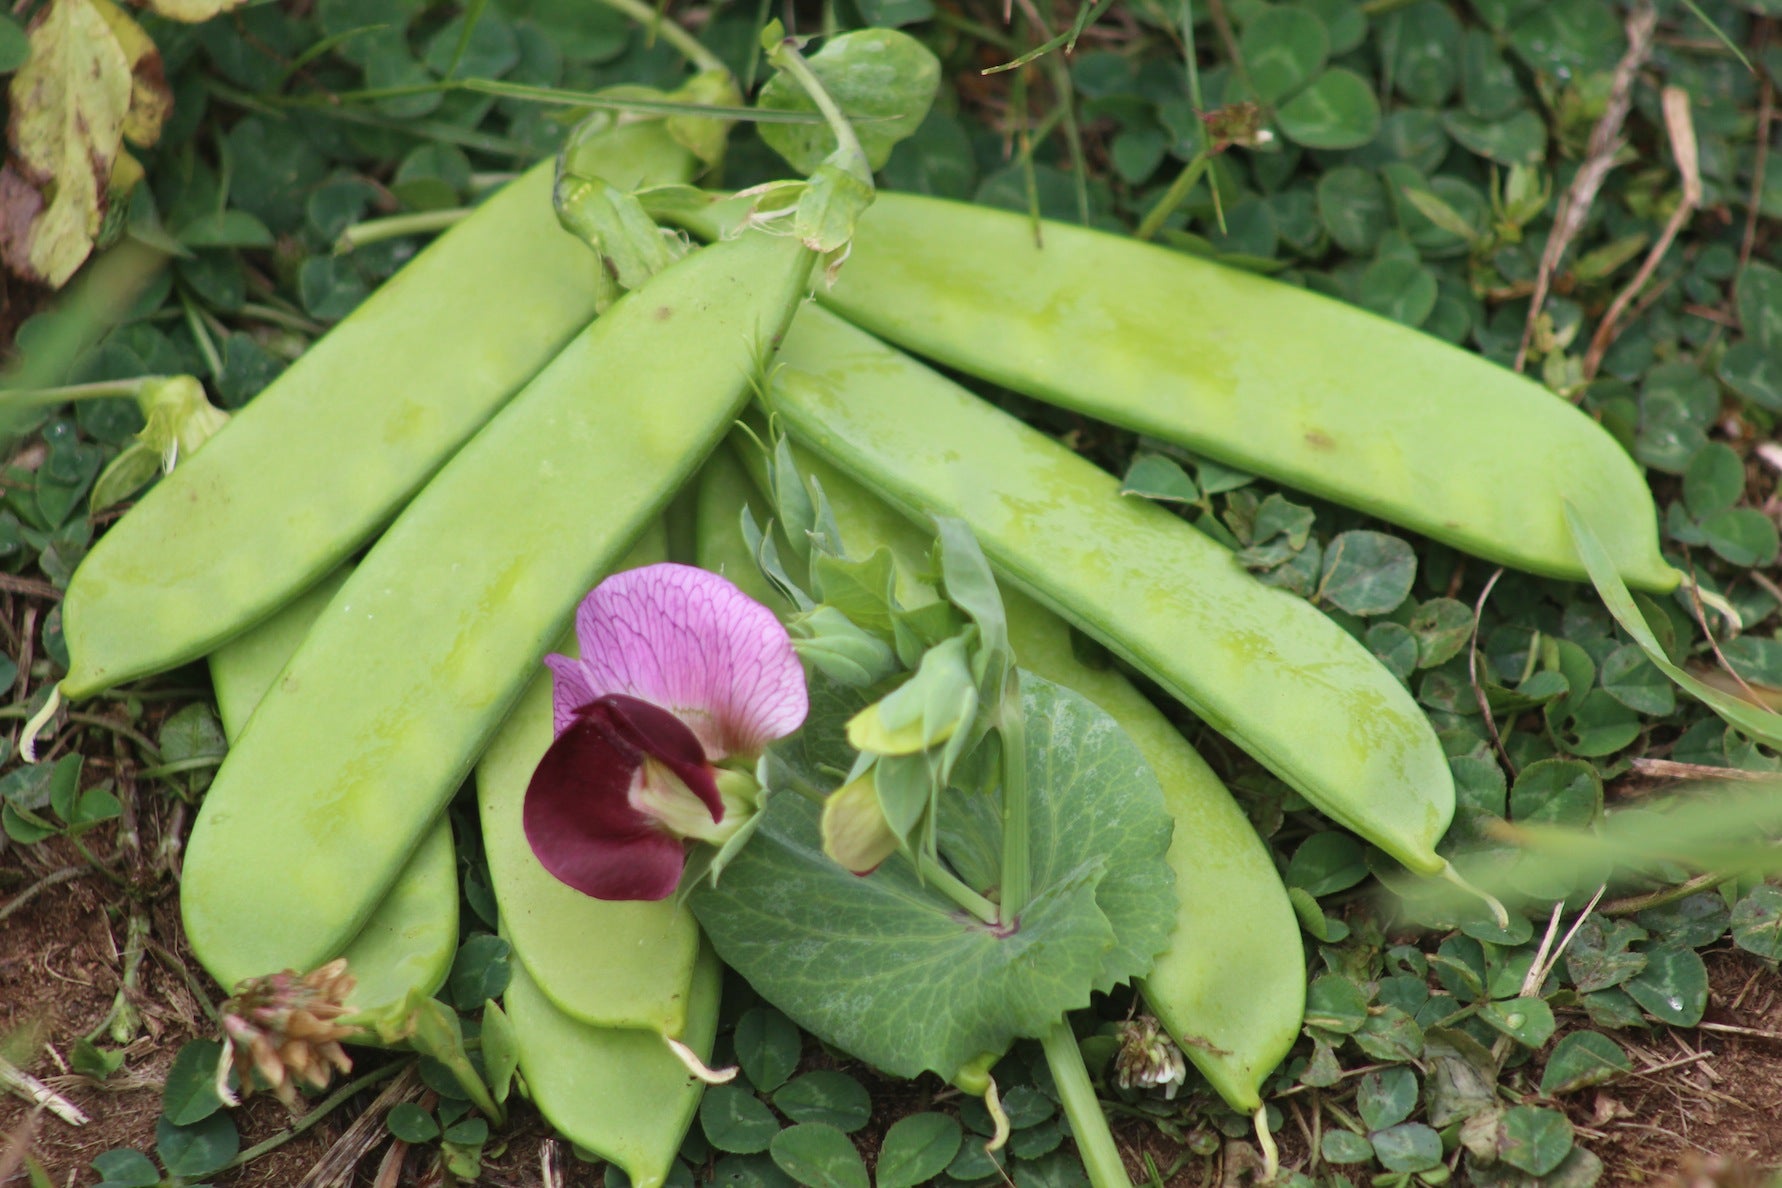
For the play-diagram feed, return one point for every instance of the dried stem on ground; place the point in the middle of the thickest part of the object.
(1605, 145)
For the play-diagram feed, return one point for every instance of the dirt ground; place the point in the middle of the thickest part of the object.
(1706, 1108)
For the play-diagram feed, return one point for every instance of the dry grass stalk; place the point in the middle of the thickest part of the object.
(1604, 146)
(1681, 130)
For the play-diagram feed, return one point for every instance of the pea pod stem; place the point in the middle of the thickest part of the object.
(1016, 868)
(654, 20)
(423, 222)
(1088, 1125)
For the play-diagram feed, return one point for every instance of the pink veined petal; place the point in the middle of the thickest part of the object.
(579, 816)
(691, 642)
(570, 690)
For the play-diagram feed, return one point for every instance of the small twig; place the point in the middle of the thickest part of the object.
(1670, 769)
(1472, 672)
(547, 1164)
(1733, 1029)
(1682, 133)
(39, 1094)
(1543, 965)
(29, 586)
(53, 879)
(335, 1168)
(1599, 158)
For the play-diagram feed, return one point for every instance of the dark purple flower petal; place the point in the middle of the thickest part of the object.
(579, 815)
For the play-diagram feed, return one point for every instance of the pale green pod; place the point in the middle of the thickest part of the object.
(617, 1092)
(1260, 665)
(323, 457)
(415, 662)
(1231, 987)
(411, 938)
(1302, 388)
(613, 964)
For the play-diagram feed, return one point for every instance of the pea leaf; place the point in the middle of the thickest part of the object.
(1408, 1147)
(1386, 1097)
(1155, 476)
(736, 1121)
(1345, 1146)
(884, 82)
(916, 1149)
(1673, 986)
(1528, 1020)
(826, 1096)
(1534, 1139)
(1283, 48)
(198, 1149)
(893, 972)
(1337, 111)
(1757, 922)
(189, 1094)
(767, 1046)
(1367, 573)
(1580, 1060)
(818, 1155)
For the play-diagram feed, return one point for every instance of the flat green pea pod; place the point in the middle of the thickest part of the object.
(1302, 388)
(410, 940)
(615, 1091)
(1260, 665)
(1232, 985)
(413, 665)
(621, 963)
(327, 453)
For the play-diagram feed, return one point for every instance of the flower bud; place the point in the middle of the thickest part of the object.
(923, 712)
(841, 650)
(855, 832)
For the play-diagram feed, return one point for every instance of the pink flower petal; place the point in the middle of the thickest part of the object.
(578, 814)
(692, 643)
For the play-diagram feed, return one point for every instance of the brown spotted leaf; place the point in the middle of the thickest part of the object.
(189, 11)
(151, 99)
(69, 103)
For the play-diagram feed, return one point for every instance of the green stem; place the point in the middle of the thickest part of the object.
(1017, 873)
(954, 888)
(1173, 197)
(1088, 1125)
(396, 226)
(785, 56)
(701, 58)
(213, 362)
(93, 391)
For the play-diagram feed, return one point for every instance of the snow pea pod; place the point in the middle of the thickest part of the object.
(1302, 388)
(613, 964)
(1262, 666)
(382, 711)
(615, 1091)
(325, 455)
(1231, 987)
(411, 938)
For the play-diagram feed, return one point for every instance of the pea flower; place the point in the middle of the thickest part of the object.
(683, 680)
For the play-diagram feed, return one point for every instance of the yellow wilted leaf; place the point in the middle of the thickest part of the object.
(69, 101)
(151, 99)
(191, 11)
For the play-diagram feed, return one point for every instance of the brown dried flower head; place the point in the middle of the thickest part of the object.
(285, 1027)
(1148, 1058)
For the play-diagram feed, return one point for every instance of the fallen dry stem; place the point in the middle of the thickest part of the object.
(1681, 130)
(1604, 146)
